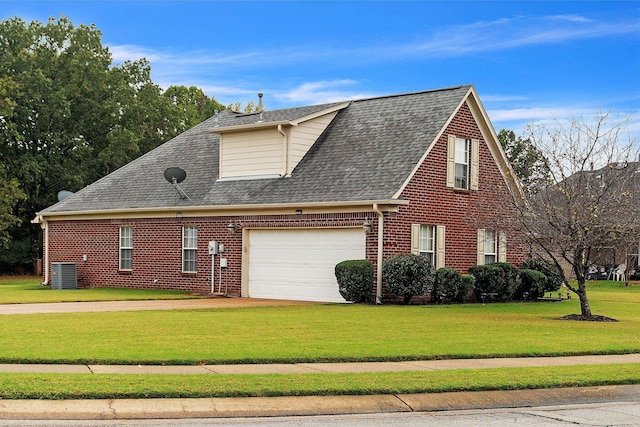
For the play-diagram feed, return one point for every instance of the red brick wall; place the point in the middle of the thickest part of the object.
(157, 243)
(461, 212)
(157, 248)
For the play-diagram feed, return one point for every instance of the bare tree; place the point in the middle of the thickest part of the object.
(592, 200)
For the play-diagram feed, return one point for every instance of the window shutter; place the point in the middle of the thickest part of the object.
(502, 247)
(451, 161)
(440, 246)
(415, 239)
(480, 259)
(474, 165)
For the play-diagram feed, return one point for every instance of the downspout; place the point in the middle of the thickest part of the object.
(285, 151)
(380, 253)
(45, 249)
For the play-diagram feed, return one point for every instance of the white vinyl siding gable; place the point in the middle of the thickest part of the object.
(304, 136)
(254, 153)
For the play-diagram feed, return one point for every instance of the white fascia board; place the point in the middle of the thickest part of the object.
(390, 205)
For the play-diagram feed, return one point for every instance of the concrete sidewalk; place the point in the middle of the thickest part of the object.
(309, 368)
(113, 409)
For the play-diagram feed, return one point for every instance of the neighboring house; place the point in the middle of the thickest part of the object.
(618, 256)
(288, 194)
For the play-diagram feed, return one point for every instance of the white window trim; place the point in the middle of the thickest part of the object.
(124, 247)
(193, 248)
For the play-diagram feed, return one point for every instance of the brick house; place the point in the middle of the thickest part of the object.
(287, 194)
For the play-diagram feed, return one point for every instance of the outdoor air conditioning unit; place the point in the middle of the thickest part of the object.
(64, 275)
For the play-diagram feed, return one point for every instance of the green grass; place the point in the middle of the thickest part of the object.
(103, 386)
(27, 289)
(331, 332)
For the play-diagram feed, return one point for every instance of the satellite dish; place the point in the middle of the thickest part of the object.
(64, 194)
(174, 175)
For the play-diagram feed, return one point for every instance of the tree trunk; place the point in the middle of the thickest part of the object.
(585, 308)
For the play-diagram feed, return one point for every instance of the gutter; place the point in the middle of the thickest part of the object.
(218, 210)
(377, 210)
(45, 246)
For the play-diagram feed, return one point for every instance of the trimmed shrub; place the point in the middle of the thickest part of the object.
(467, 284)
(494, 281)
(449, 285)
(530, 285)
(446, 284)
(408, 275)
(355, 280)
(554, 274)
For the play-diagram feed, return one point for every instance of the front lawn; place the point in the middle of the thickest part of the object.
(107, 386)
(27, 289)
(331, 332)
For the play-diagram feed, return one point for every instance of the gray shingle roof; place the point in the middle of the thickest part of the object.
(366, 153)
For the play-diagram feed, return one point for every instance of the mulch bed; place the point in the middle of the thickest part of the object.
(592, 318)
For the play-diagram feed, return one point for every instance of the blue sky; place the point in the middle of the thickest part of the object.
(529, 61)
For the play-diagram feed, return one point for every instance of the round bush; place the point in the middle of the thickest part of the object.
(355, 280)
(408, 275)
(446, 285)
(531, 284)
(494, 281)
(554, 274)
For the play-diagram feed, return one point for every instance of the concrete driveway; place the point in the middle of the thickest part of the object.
(184, 304)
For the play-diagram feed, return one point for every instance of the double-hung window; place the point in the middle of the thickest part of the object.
(126, 248)
(428, 243)
(189, 249)
(462, 163)
(490, 247)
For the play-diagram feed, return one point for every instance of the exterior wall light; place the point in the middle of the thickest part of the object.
(231, 228)
(367, 227)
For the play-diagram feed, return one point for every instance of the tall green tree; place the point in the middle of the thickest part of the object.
(68, 116)
(527, 161)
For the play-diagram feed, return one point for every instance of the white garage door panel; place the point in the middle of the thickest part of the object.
(300, 264)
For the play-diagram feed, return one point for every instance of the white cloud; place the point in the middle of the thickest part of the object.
(322, 92)
(515, 33)
(570, 18)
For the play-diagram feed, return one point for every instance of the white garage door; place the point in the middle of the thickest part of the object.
(300, 264)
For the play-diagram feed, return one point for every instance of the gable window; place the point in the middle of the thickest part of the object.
(189, 249)
(492, 247)
(462, 163)
(126, 248)
(428, 241)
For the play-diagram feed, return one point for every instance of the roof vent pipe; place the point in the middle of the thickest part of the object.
(260, 105)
